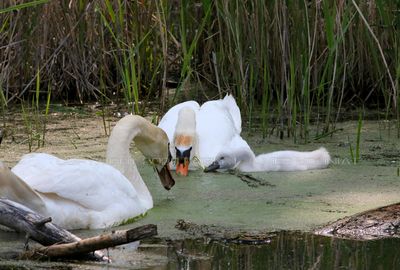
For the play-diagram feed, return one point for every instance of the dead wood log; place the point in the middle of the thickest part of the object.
(22, 219)
(87, 245)
(60, 242)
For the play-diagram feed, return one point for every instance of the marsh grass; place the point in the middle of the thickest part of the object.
(35, 117)
(293, 63)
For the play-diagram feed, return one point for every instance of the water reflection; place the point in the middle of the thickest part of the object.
(287, 250)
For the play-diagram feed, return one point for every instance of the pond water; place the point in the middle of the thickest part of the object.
(288, 250)
(284, 250)
(291, 203)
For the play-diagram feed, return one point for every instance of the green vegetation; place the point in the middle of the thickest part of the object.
(35, 119)
(355, 154)
(288, 63)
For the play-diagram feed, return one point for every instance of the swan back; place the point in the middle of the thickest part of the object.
(79, 193)
(216, 128)
(288, 161)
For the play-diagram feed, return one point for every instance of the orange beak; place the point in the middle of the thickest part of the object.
(183, 168)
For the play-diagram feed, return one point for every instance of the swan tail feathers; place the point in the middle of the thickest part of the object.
(14, 188)
(323, 156)
(317, 159)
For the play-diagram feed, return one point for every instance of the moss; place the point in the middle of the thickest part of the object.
(131, 220)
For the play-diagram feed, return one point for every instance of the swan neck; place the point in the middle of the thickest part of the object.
(119, 156)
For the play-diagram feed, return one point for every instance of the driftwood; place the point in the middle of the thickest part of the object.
(373, 224)
(88, 245)
(22, 219)
(60, 242)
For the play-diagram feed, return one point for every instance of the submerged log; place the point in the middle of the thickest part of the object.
(372, 224)
(60, 242)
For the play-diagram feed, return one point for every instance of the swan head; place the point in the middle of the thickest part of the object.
(184, 137)
(223, 161)
(155, 147)
(164, 173)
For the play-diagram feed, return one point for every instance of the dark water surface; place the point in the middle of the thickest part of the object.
(282, 250)
(287, 250)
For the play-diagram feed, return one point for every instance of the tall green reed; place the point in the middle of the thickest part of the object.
(188, 46)
(17, 7)
(35, 117)
(297, 62)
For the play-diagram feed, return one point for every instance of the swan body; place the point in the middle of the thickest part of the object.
(211, 133)
(79, 193)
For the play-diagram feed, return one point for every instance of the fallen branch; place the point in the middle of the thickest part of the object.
(88, 245)
(22, 219)
(60, 242)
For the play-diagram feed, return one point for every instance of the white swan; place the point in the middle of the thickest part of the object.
(88, 194)
(212, 134)
(201, 132)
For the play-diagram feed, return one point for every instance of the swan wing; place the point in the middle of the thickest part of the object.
(89, 184)
(230, 104)
(215, 129)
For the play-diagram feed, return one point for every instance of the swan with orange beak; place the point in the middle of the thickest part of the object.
(198, 133)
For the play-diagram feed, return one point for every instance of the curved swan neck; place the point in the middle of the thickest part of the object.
(118, 151)
(185, 130)
(185, 134)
